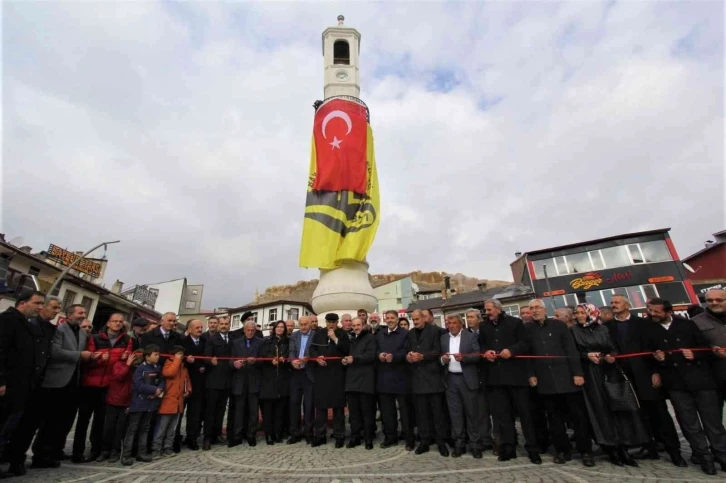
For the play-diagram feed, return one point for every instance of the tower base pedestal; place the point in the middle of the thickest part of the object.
(344, 290)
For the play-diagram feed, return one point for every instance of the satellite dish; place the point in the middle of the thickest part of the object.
(689, 268)
(17, 241)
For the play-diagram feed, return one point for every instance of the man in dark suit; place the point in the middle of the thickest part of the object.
(194, 346)
(460, 359)
(502, 338)
(393, 381)
(329, 392)
(62, 380)
(164, 336)
(217, 384)
(559, 381)
(474, 324)
(427, 386)
(20, 346)
(360, 385)
(246, 385)
(630, 335)
(212, 326)
(301, 382)
(690, 384)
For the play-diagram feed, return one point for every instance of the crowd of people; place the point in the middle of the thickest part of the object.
(584, 376)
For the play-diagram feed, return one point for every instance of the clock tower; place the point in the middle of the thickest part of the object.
(341, 54)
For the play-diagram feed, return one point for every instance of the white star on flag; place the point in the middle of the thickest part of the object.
(336, 143)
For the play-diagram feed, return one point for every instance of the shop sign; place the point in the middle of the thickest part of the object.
(68, 258)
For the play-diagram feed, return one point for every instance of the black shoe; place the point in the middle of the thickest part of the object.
(278, 438)
(535, 458)
(269, 440)
(410, 446)
(387, 444)
(614, 457)
(568, 456)
(92, 457)
(252, 442)
(319, 442)
(443, 450)
(127, 461)
(176, 447)
(192, 445)
(476, 454)
(678, 460)
(625, 457)
(113, 459)
(559, 459)
(44, 463)
(144, 458)
(645, 453)
(422, 448)
(309, 439)
(707, 465)
(206, 445)
(456, 453)
(353, 443)
(339, 443)
(233, 442)
(369, 445)
(103, 456)
(221, 439)
(77, 459)
(294, 440)
(588, 460)
(17, 469)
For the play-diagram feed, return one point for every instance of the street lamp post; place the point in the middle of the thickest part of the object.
(64, 272)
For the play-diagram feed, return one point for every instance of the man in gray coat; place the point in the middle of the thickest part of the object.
(63, 380)
(301, 382)
(461, 378)
(712, 324)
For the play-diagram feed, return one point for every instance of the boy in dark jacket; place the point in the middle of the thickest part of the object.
(118, 399)
(147, 391)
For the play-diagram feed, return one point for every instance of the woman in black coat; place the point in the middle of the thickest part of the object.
(614, 431)
(275, 389)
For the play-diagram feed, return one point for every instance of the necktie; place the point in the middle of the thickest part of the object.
(166, 336)
(225, 338)
(196, 343)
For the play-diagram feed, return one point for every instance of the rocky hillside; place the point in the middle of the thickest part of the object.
(459, 282)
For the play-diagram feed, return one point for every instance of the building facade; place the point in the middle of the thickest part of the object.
(394, 295)
(638, 265)
(171, 296)
(706, 269)
(265, 312)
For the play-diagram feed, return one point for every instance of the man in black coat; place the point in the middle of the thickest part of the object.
(687, 378)
(630, 335)
(393, 381)
(246, 375)
(360, 385)
(212, 326)
(194, 346)
(559, 380)
(502, 338)
(21, 344)
(486, 428)
(329, 382)
(217, 385)
(427, 385)
(164, 336)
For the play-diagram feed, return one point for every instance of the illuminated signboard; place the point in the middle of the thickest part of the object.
(67, 258)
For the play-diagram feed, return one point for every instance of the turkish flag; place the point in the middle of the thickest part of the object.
(340, 134)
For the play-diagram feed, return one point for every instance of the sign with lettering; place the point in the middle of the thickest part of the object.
(703, 288)
(67, 258)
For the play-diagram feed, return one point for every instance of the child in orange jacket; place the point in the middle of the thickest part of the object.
(178, 387)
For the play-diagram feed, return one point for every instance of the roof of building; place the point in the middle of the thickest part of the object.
(381, 283)
(428, 287)
(703, 250)
(300, 297)
(474, 297)
(598, 240)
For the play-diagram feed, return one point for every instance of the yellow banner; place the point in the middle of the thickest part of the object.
(340, 225)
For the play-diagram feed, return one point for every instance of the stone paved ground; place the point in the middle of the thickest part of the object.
(301, 464)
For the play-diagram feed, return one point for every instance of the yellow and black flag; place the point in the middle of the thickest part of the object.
(342, 204)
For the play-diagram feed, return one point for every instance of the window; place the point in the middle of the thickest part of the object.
(294, 314)
(512, 310)
(579, 262)
(615, 257)
(595, 298)
(235, 321)
(636, 297)
(650, 291)
(341, 52)
(539, 268)
(273, 315)
(190, 304)
(635, 254)
(655, 251)
(34, 271)
(561, 266)
(69, 298)
(399, 301)
(674, 292)
(87, 302)
(596, 260)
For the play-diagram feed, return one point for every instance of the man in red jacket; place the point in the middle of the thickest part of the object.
(113, 343)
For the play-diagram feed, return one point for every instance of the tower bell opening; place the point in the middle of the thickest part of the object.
(341, 52)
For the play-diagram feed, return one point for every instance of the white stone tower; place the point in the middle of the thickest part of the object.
(345, 289)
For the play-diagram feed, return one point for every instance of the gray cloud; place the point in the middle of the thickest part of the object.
(184, 130)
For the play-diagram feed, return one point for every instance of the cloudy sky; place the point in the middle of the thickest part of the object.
(183, 129)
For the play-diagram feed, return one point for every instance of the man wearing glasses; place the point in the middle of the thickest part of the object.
(712, 324)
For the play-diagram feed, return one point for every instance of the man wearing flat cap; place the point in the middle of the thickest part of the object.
(138, 328)
(329, 389)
